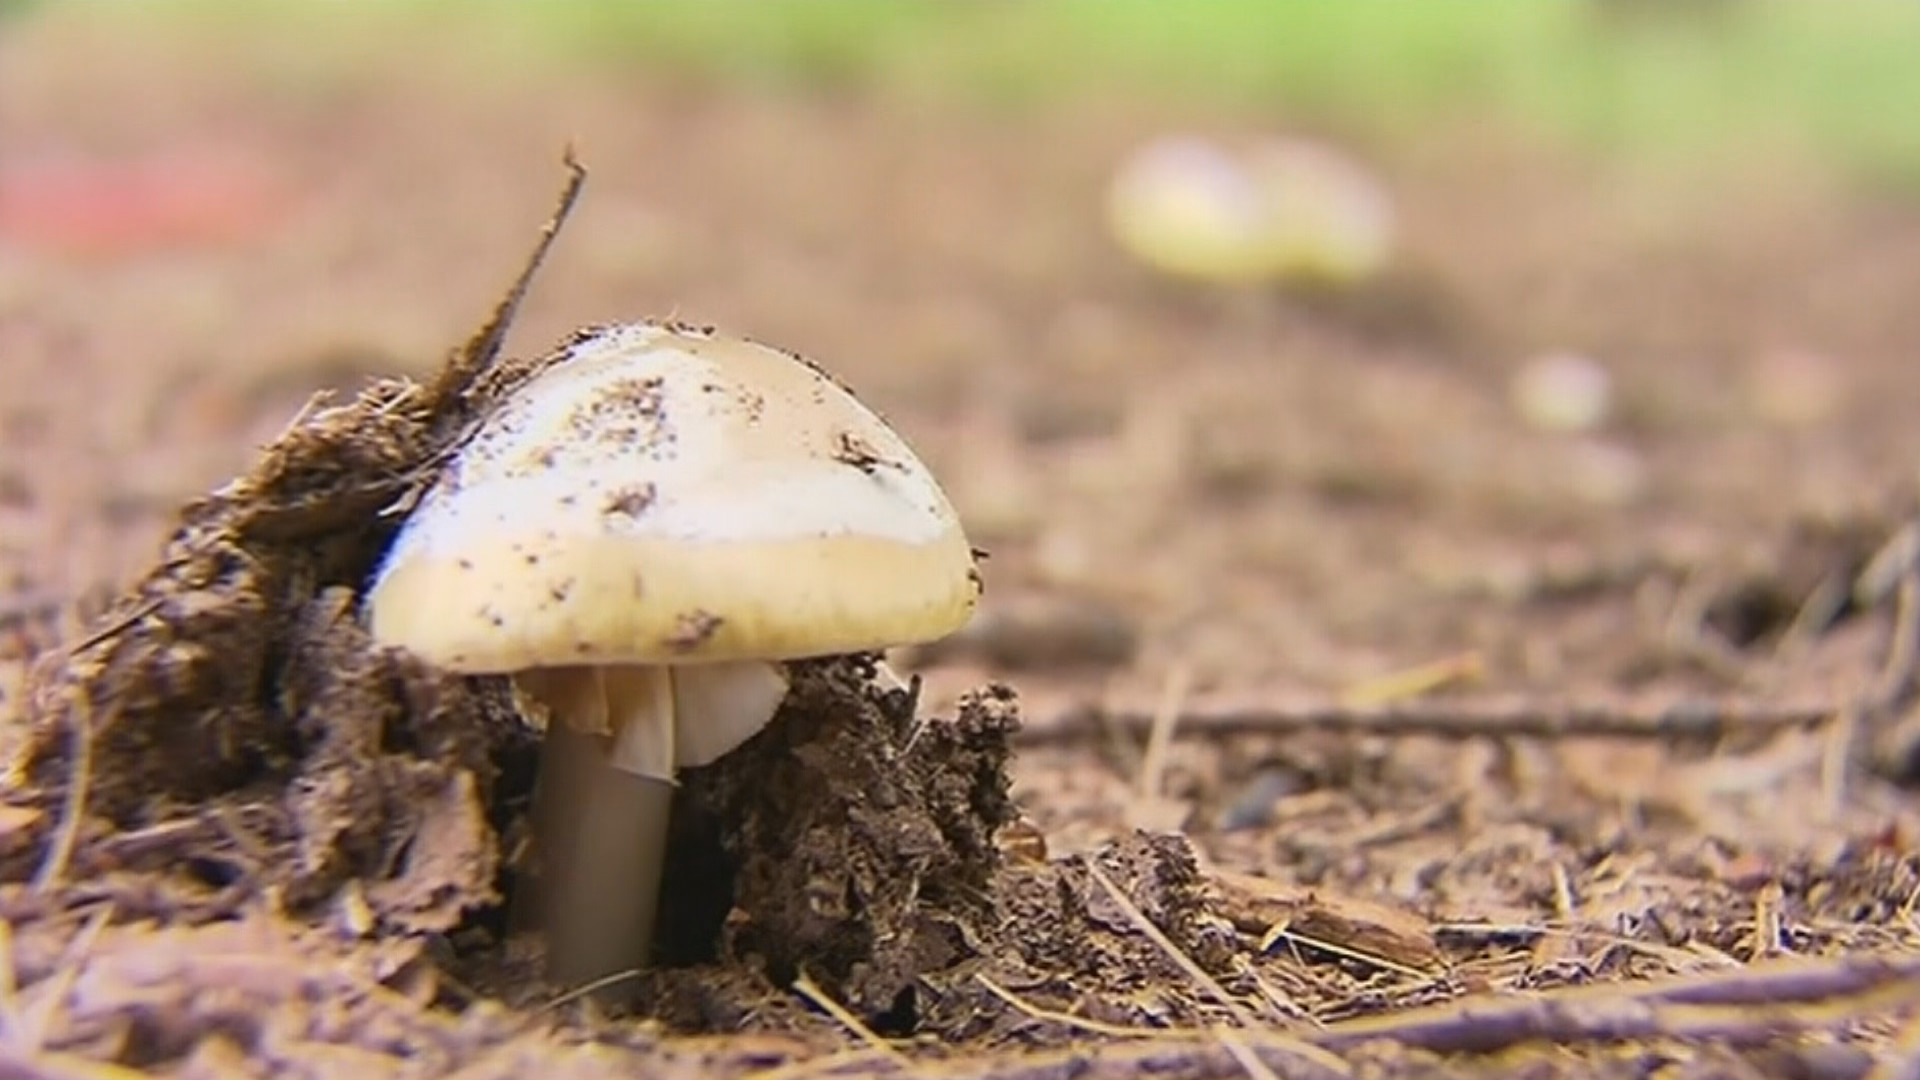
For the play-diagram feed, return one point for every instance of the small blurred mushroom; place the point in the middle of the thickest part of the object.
(1185, 207)
(1562, 392)
(638, 536)
(1278, 210)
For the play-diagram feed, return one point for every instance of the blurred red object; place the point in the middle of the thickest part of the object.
(127, 208)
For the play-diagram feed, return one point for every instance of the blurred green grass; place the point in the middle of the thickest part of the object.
(1835, 79)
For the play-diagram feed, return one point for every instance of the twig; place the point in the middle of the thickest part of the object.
(1851, 737)
(824, 1063)
(1166, 716)
(1766, 922)
(1747, 1007)
(1181, 1056)
(1475, 935)
(562, 1000)
(73, 808)
(1782, 982)
(1687, 634)
(1123, 1031)
(1743, 1005)
(478, 354)
(1563, 902)
(229, 825)
(1900, 674)
(1069, 1020)
(1178, 955)
(1417, 681)
(50, 996)
(1229, 1039)
(1500, 1027)
(1882, 572)
(116, 627)
(9, 987)
(1839, 756)
(1282, 932)
(1698, 720)
(807, 988)
(1817, 613)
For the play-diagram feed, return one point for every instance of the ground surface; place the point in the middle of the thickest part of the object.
(1222, 510)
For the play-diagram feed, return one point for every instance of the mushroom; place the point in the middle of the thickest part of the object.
(1284, 210)
(639, 536)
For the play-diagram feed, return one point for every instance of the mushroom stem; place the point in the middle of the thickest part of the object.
(602, 830)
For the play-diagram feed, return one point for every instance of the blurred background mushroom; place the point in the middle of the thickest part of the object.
(1269, 210)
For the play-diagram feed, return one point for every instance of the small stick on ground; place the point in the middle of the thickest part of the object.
(73, 809)
(10, 1017)
(1688, 635)
(38, 1016)
(1877, 711)
(115, 628)
(820, 999)
(1159, 1034)
(1700, 720)
(1746, 1005)
(1228, 1038)
(1416, 682)
(1749, 1006)
(1839, 757)
(588, 989)
(1282, 932)
(1815, 616)
(1066, 1019)
(825, 1064)
(1166, 716)
(1900, 674)
(1154, 934)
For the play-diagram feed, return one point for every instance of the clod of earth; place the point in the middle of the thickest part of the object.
(640, 535)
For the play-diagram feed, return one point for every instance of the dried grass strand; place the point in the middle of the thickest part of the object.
(819, 998)
(73, 804)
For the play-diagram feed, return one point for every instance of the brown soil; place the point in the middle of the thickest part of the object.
(1166, 808)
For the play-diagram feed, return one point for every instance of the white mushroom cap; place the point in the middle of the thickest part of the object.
(665, 495)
